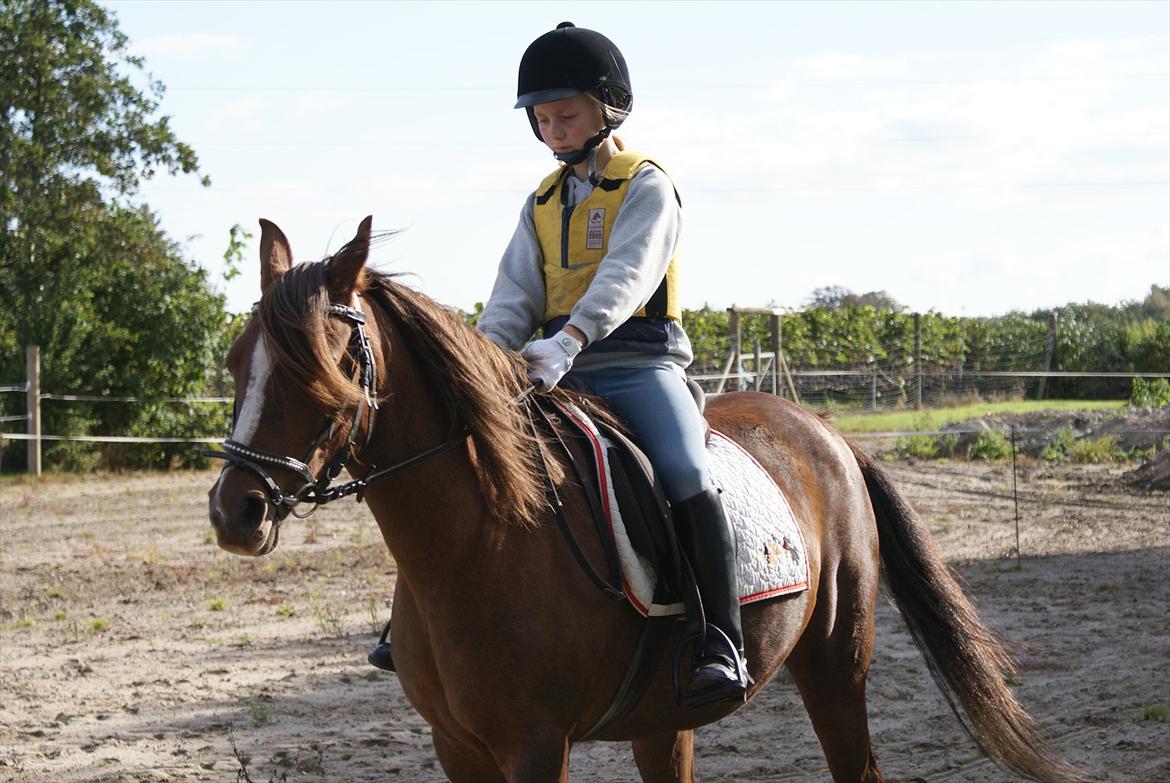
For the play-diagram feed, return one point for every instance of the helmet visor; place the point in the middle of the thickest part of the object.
(530, 99)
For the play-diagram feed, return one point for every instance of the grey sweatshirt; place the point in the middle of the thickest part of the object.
(641, 244)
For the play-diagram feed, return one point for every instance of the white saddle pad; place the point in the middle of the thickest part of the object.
(771, 558)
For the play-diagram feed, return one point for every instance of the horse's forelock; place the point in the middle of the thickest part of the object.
(478, 381)
(295, 319)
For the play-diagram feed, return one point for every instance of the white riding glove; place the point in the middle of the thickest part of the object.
(549, 359)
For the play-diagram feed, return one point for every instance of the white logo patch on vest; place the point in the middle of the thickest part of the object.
(595, 231)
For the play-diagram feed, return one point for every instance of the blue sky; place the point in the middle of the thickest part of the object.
(970, 158)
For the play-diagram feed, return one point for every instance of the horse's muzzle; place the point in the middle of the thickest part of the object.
(240, 519)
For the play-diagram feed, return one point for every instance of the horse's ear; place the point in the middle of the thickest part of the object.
(275, 254)
(345, 267)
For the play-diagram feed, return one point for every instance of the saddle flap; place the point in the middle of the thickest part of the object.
(644, 511)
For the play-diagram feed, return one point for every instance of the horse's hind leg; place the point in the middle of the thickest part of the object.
(829, 666)
(666, 758)
(833, 690)
(463, 762)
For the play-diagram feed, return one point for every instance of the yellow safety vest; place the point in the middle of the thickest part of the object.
(574, 239)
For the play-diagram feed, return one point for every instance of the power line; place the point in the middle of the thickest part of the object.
(959, 186)
(419, 88)
(772, 142)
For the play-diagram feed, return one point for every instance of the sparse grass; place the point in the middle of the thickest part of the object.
(1058, 447)
(991, 446)
(152, 555)
(1158, 712)
(20, 624)
(259, 712)
(1103, 449)
(60, 614)
(217, 604)
(934, 419)
(285, 609)
(372, 608)
(54, 591)
(98, 625)
(330, 616)
(918, 446)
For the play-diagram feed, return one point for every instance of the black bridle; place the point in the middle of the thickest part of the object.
(317, 489)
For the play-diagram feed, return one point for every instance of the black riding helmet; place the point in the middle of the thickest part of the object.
(569, 61)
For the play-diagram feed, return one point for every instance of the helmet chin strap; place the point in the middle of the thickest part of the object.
(587, 152)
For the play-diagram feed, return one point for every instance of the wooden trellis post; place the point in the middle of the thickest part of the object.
(32, 363)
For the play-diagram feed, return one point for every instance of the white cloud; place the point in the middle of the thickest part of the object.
(847, 66)
(185, 47)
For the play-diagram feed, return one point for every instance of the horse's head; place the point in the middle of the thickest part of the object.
(305, 370)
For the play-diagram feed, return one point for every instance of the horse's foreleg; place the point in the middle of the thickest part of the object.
(533, 760)
(666, 758)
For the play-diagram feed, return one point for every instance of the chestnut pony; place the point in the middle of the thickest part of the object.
(502, 642)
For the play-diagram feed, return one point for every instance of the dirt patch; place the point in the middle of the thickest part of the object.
(1139, 432)
(1153, 475)
(132, 649)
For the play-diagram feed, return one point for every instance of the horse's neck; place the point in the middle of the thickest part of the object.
(431, 514)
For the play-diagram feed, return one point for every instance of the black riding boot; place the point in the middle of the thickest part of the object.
(380, 655)
(720, 672)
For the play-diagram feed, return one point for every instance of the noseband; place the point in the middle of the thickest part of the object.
(317, 489)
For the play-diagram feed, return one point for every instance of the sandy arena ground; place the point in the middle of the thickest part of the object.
(133, 649)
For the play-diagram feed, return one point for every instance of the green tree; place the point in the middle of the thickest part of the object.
(85, 270)
(836, 297)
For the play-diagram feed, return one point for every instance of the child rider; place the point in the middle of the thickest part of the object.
(593, 263)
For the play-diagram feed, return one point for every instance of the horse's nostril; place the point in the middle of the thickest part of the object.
(253, 510)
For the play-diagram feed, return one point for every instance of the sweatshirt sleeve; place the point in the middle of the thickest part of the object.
(641, 244)
(514, 309)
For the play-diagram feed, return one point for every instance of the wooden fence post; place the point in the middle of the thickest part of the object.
(774, 329)
(736, 346)
(918, 358)
(1049, 348)
(759, 368)
(33, 406)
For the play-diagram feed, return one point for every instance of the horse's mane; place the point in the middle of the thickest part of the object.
(477, 381)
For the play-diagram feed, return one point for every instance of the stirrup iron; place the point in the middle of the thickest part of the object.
(380, 656)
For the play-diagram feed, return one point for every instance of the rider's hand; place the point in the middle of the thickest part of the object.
(549, 359)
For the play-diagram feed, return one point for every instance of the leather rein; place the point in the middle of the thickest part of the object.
(317, 489)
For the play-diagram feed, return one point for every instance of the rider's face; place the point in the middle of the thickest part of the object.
(567, 124)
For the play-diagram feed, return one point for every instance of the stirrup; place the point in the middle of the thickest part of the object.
(380, 656)
(734, 689)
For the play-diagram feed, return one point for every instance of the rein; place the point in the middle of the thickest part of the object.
(317, 489)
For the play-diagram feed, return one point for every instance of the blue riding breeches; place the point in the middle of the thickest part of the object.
(657, 406)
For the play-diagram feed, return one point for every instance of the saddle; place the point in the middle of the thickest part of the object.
(644, 561)
(629, 507)
(619, 474)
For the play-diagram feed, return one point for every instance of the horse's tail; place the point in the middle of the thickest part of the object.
(964, 657)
